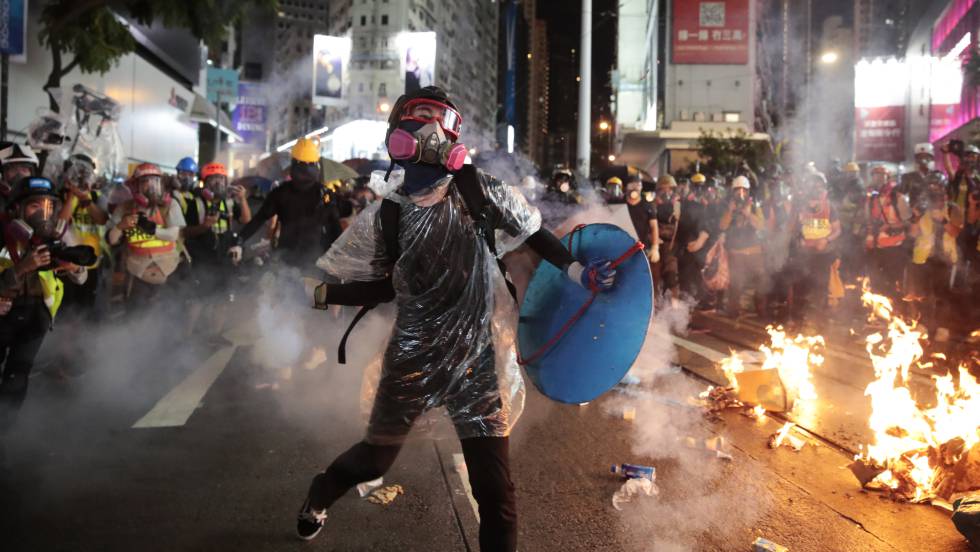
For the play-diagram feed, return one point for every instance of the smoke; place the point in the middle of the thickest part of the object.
(700, 495)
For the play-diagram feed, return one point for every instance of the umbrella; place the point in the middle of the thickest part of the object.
(365, 167)
(333, 170)
(256, 182)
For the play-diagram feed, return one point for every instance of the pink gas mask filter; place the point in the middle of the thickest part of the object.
(426, 145)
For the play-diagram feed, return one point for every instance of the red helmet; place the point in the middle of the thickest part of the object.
(146, 169)
(212, 169)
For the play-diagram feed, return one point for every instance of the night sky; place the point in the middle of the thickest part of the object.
(564, 23)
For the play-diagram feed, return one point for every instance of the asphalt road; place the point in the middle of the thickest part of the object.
(225, 447)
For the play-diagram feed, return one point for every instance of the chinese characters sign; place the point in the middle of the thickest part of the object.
(879, 133)
(714, 32)
(251, 113)
(223, 84)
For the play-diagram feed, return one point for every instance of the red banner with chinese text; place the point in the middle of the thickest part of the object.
(879, 133)
(711, 32)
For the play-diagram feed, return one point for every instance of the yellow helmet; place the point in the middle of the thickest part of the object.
(306, 151)
(698, 178)
(852, 167)
(666, 181)
(614, 181)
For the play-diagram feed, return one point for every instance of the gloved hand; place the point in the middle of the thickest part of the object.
(146, 225)
(598, 270)
(654, 254)
(235, 252)
(316, 291)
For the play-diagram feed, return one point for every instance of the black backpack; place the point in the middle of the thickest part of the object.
(467, 183)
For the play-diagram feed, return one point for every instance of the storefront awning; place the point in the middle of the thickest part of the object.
(203, 112)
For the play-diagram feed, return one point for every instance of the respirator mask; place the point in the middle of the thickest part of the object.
(217, 185)
(39, 218)
(304, 175)
(427, 133)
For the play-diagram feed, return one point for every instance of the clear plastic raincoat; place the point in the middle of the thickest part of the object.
(453, 341)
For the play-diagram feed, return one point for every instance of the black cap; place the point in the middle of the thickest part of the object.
(32, 186)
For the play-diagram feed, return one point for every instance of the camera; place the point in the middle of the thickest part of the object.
(81, 255)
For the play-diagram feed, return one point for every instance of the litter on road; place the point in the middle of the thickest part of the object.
(632, 489)
(764, 545)
(386, 495)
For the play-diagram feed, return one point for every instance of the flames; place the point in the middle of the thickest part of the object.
(924, 445)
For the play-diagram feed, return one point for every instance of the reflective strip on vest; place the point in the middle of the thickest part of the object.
(816, 228)
(141, 243)
(53, 289)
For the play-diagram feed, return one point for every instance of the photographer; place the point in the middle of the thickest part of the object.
(210, 217)
(888, 215)
(149, 224)
(31, 268)
(742, 223)
(817, 228)
(964, 191)
(16, 162)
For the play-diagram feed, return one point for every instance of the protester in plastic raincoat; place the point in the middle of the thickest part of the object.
(429, 246)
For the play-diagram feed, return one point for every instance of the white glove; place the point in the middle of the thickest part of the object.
(654, 255)
(235, 252)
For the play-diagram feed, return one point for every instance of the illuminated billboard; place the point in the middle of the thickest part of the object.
(330, 57)
(418, 58)
(880, 95)
(710, 32)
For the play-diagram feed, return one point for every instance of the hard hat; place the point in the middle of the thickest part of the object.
(187, 164)
(16, 153)
(698, 178)
(740, 182)
(433, 93)
(614, 181)
(880, 169)
(146, 169)
(666, 181)
(970, 148)
(924, 148)
(306, 151)
(212, 169)
(31, 186)
(852, 167)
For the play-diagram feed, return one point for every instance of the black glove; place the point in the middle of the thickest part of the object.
(146, 225)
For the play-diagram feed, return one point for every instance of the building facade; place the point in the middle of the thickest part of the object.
(538, 93)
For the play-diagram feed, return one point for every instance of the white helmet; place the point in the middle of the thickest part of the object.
(740, 182)
(924, 148)
(16, 153)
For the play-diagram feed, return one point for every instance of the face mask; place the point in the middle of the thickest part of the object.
(414, 142)
(304, 175)
(44, 219)
(564, 187)
(616, 191)
(634, 195)
(218, 186)
(186, 182)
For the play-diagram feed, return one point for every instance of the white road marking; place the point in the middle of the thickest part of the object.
(701, 350)
(461, 470)
(176, 407)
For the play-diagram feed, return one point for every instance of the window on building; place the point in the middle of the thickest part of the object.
(363, 20)
(732, 116)
(360, 87)
(382, 90)
(384, 19)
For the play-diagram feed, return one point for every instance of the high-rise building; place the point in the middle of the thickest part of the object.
(882, 27)
(537, 130)
(297, 21)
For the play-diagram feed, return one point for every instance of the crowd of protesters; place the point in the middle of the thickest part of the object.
(786, 245)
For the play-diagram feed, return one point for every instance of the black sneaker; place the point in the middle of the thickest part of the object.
(309, 522)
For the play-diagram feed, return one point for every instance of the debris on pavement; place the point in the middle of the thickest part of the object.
(714, 445)
(865, 472)
(629, 413)
(764, 545)
(634, 471)
(386, 495)
(633, 488)
(367, 487)
(966, 518)
(784, 437)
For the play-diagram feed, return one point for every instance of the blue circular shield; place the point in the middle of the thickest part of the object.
(602, 345)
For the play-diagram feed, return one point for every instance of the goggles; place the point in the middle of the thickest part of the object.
(426, 111)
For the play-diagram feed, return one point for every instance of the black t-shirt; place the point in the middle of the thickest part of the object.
(641, 214)
(208, 246)
(308, 218)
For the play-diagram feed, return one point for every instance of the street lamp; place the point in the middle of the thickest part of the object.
(611, 158)
(829, 57)
(603, 126)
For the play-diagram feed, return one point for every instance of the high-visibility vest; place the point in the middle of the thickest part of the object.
(141, 243)
(52, 288)
(816, 226)
(87, 232)
(883, 209)
(926, 239)
(223, 224)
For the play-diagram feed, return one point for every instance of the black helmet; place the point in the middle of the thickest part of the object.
(32, 186)
(428, 93)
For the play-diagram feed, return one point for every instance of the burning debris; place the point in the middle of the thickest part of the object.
(784, 437)
(781, 382)
(919, 453)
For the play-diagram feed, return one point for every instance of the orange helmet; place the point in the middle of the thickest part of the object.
(212, 169)
(146, 169)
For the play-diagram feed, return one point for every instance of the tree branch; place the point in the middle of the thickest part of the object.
(71, 15)
(68, 68)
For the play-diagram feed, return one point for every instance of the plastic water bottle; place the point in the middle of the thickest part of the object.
(634, 471)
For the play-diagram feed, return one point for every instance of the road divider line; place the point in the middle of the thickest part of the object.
(177, 406)
(460, 463)
(701, 350)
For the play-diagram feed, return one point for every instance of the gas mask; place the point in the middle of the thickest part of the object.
(151, 187)
(41, 216)
(217, 185)
(304, 175)
(186, 181)
(615, 191)
(418, 142)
